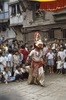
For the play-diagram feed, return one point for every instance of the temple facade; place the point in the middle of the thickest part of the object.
(26, 18)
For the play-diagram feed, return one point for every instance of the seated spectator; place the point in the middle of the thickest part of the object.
(7, 76)
(25, 71)
(18, 74)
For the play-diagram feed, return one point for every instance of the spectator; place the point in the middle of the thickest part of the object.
(16, 59)
(64, 67)
(50, 57)
(5, 47)
(10, 60)
(59, 65)
(18, 74)
(7, 76)
(26, 46)
(1, 62)
(24, 52)
(61, 53)
(20, 58)
(45, 49)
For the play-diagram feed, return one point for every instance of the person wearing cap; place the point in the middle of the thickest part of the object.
(36, 73)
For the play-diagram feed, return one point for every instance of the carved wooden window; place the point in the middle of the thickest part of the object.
(18, 9)
(37, 13)
(51, 34)
(64, 33)
(13, 10)
(1, 7)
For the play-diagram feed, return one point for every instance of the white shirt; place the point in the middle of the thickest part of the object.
(26, 49)
(59, 64)
(16, 59)
(45, 50)
(65, 65)
(53, 46)
(64, 53)
(9, 73)
(50, 55)
(16, 72)
(4, 61)
(20, 56)
(1, 65)
(10, 59)
(36, 55)
(61, 55)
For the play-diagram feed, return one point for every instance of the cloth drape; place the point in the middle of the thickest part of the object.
(54, 6)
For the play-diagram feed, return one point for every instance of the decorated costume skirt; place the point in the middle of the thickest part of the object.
(36, 73)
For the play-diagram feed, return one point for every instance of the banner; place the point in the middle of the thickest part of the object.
(43, 0)
(53, 6)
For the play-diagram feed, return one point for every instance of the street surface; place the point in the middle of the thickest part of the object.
(55, 89)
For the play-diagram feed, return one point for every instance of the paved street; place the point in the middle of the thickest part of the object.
(55, 89)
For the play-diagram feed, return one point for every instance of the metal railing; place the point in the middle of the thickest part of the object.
(4, 15)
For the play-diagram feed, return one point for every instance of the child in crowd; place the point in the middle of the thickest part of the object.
(64, 67)
(65, 64)
(1, 62)
(16, 59)
(25, 71)
(50, 57)
(61, 53)
(20, 58)
(18, 73)
(59, 65)
(9, 61)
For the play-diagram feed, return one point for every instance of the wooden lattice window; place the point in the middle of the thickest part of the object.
(51, 34)
(64, 33)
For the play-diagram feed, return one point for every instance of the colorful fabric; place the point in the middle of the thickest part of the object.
(54, 6)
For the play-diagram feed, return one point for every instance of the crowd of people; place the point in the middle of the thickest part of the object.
(13, 59)
(55, 54)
